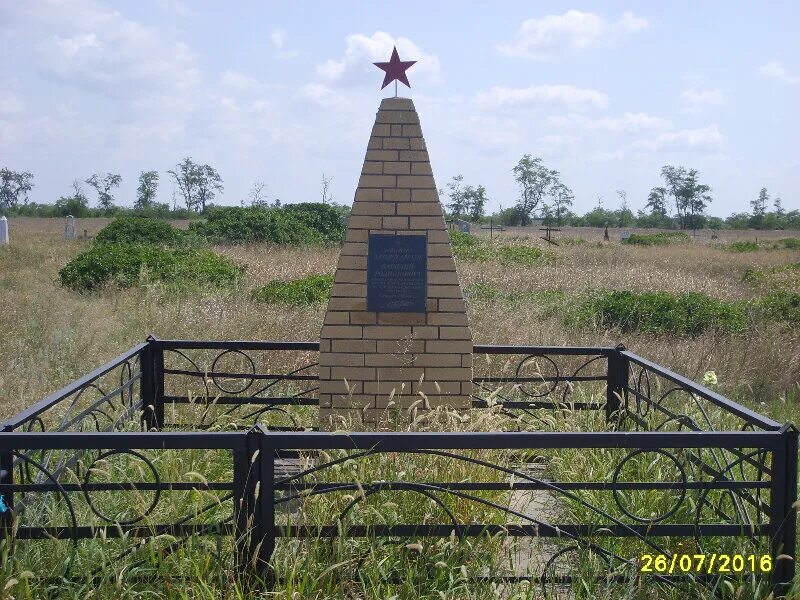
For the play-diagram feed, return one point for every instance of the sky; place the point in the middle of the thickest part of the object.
(282, 92)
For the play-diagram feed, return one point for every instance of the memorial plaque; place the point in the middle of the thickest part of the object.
(397, 273)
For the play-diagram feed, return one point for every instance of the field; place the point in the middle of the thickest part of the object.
(51, 335)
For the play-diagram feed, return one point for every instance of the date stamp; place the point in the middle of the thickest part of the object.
(704, 563)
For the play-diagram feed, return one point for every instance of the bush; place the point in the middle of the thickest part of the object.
(126, 265)
(295, 225)
(140, 230)
(790, 243)
(742, 246)
(298, 292)
(779, 277)
(782, 306)
(470, 248)
(660, 312)
(519, 255)
(663, 238)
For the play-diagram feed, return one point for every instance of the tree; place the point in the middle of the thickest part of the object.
(76, 205)
(474, 201)
(209, 184)
(533, 179)
(657, 201)
(13, 187)
(690, 196)
(778, 205)
(457, 205)
(258, 194)
(623, 197)
(562, 199)
(198, 184)
(103, 184)
(760, 204)
(326, 185)
(146, 192)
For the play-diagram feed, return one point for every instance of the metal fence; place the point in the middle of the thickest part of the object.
(96, 460)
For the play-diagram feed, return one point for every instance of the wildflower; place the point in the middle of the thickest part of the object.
(710, 378)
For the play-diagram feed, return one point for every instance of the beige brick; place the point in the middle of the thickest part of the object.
(424, 195)
(448, 346)
(387, 387)
(455, 333)
(400, 346)
(437, 360)
(399, 373)
(341, 331)
(337, 318)
(375, 143)
(324, 345)
(338, 386)
(373, 208)
(324, 372)
(382, 155)
(395, 143)
(458, 319)
(367, 194)
(417, 144)
(401, 318)
(347, 304)
(353, 373)
(427, 209)
(427, 223)
(432, 388)
(390, 195)
(377, 181)
(354, 249)
(442, 291)
(356, 235)
(438, 237)
(441, 263)
(466, 388)
(363, 318)
(397, 168)
(425, 332)
(397, 104)
(401, 117)
(379, 130)
(324, 401)
(432, 305)
(412, 131)
(414, 155)
(362, 222)
(466, 360)
(386, 332)
(395, 222)
(452, 305)
(397, 130)
(352, 262)
(339, 359)
(439, 250)
(350, 290)
(443, 278)
(412, 181)
(421, 168)
(388, 360)
(373, 167)
(353, 346)
(348, 276)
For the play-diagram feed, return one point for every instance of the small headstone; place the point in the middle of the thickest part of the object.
(69, 228)
(714, 235)
(4, 231)
(463, 226)
(605, 235)
(625, 235)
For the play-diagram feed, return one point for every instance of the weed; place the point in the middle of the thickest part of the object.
(298, 292)
(664, 238)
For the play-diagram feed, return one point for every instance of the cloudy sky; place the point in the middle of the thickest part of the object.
(281, 92)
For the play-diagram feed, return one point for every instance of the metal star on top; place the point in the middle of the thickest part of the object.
(395, 70)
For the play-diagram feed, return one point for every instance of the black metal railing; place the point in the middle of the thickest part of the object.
(243, 413)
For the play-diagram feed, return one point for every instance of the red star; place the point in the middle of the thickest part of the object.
(395, 69)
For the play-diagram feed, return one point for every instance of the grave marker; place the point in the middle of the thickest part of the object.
(4, 231)
(69, 228)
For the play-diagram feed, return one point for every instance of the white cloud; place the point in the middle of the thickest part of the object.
(323, 95)
(556, 35)
(775, 70)
(356, 66)
(278, 38)
(695, 100)
(704, 138)
(568, 95)
(627, 123)
(237, 81)
(10, 104)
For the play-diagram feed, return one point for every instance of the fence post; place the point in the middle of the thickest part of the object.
(783, 518)
(7, 491)
(254, 507)
(152, 363)
(616, 382)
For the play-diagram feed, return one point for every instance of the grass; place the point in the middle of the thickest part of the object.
(52, 335)
(298, 292)
(664, 238)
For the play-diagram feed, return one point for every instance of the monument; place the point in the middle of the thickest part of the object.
(396, 333)
(3, 231)
(69, 228)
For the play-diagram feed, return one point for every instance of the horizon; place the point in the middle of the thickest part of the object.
(606, 97)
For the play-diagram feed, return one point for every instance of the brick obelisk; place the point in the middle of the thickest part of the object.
(396, 323)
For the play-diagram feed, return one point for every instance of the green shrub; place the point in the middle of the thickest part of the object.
(298, 292)
(294, 225)
(659, 312)
(790, 243)
(741, 246)
(126, 265)
(519, 255)
(663, 238)
(777, 278)
(470, 248)
(782, 306)
(140, 230)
